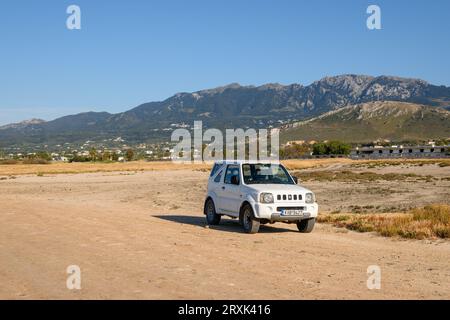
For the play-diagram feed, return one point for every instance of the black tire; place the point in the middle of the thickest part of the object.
(306, 226)
(247, 219)
(212, 218)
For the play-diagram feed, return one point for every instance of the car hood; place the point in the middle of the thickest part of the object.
(277, 188)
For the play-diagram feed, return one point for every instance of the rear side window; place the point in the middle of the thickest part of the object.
(214, 169)
(218, 177)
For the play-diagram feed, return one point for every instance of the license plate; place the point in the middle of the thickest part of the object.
(292, 213)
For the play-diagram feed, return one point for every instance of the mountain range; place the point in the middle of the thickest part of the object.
(230, 106)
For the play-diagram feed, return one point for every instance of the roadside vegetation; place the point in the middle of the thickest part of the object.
(93, 167)
(302, 150)
(429, 222)
(350, 176)
(24, 161)
(370, 164)
(295, 151)
(36, 158)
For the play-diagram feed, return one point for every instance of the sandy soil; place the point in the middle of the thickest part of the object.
(142, 235)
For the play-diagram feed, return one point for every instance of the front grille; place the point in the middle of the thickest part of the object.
(289, 208)
(289, 197)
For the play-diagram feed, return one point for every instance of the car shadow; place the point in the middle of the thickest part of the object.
(226, 224)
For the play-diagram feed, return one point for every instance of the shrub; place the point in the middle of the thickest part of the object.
(332, 147)
(429, 222)
(294, 151)
(434, 213)
(35, 161)
(9, 161)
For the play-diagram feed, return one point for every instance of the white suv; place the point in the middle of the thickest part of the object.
(258, 193)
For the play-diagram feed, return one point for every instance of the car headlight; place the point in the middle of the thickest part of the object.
(266, 197)
(309, 197)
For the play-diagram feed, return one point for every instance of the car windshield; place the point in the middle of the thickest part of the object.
(265, 174)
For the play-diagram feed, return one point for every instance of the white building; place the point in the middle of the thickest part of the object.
(401, 152)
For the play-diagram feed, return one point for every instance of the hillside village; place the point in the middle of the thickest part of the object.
(120, 151)
(108, 151)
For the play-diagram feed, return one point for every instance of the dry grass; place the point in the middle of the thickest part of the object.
(25, 161)
(298, 164)
(17, 168)
(430, 222)
(88, 167)
(9, 162)
(350, 176)
(444, 162)
(35, 161)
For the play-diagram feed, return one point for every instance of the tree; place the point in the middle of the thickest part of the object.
(43, 155)
(93, 154)
(320, 148)
(337, 147)
(129, 154)
(106, 156)
(332, 147)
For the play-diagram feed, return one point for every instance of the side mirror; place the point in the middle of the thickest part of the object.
(295, 180)
(235, 180)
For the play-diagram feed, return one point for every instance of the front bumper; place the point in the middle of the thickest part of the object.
(270, 212)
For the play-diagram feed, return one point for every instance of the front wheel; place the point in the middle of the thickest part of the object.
(248, 221)
(212, 218)
(306, 226)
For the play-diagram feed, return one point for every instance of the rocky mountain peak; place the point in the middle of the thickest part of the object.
(22, 124)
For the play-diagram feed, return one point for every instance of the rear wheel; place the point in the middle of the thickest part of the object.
(248, 221)
(212, 218)
(306, 226)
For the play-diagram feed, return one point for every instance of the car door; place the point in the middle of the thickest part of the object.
(231, 193)
(215, 187)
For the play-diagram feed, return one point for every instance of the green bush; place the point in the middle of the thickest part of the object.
(332, 147)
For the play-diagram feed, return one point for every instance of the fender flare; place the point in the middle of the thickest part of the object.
(213, 197)
(249, 200)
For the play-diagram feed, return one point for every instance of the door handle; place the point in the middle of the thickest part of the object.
(223, 188)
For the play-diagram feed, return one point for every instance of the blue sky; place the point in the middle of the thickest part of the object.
(131, 52)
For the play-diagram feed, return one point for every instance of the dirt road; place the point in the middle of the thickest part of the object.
(142, 236)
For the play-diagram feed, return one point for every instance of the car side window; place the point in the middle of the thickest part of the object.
(232, 170)
(218, 177)
(214, 169)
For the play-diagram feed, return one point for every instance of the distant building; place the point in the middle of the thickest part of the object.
(428, 151)
(60, 159)
(300, 142)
